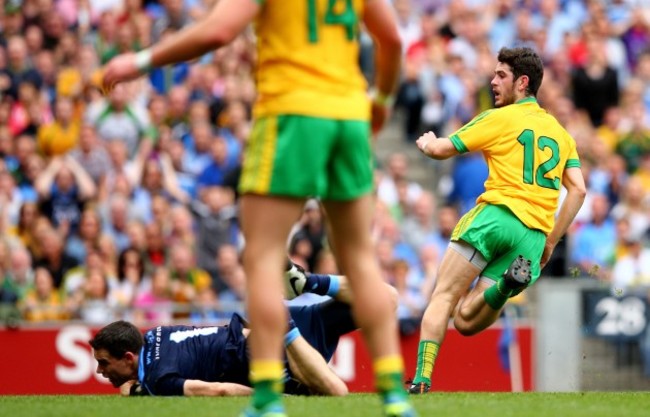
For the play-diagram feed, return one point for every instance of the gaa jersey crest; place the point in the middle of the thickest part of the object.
(308, 59)
(526, 151)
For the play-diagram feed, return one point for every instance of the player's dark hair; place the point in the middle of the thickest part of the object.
(524, 61)
(118, 338)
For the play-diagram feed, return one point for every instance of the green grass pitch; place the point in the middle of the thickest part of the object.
(592, 404)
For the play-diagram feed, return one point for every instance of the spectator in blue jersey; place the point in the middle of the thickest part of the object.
(463, 192)
(63, 188)
(214, 361)
(164, 78)
(594, 243)
(214, 172)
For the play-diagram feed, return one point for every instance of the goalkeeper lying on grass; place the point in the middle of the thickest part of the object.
(186, 360)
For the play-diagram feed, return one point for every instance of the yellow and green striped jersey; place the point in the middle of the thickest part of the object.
(308, 54)
(526, 151)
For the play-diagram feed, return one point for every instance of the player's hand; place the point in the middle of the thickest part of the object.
(125, 388)
(424, 140)
(119, 69)
(546, 255)
(379, 113)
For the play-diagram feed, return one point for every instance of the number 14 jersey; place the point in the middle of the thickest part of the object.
(308, 59)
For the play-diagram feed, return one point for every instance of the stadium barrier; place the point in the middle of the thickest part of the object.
(58, 360)
(581, 336)
(590, 336)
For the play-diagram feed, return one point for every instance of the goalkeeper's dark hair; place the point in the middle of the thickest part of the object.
(524, 61)
(118, 338)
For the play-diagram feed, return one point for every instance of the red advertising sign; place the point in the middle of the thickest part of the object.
(59, 361)
(477, 363)
(49, 361)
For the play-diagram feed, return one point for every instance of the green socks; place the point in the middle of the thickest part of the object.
(497, 295)
(266, 378)
(427, 353)
(265, 393)
(389, 375)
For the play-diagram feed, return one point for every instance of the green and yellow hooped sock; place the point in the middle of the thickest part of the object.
(389, 376)
(427, 354)
(267, 379)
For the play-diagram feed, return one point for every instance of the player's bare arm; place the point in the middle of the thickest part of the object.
(227, 19)
(310, 368)
(345, 295)
(435, 147)
(296, 283)
(195, 387)
(574, 182)
(380, 21)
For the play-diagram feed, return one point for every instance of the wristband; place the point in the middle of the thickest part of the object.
(380, 98)
(291, 335)
(143, 60)
(335, 285)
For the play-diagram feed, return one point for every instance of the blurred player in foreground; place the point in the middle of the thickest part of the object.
(310, 138)
(513, 226)
(213, 361)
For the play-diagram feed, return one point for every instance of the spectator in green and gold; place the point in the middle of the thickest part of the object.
(9, 292)
(43, 302)
(187, 279)
(62, 134)
(636, 142)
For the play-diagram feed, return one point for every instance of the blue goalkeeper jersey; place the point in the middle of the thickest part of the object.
(173, 354)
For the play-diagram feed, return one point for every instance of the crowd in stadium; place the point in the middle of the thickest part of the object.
(125, 205)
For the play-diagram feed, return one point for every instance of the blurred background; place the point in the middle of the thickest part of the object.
(125, 206)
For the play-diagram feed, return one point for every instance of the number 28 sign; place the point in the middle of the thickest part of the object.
(610, 316)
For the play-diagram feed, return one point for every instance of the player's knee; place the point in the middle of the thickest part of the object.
(465, 328)
(446, 299)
